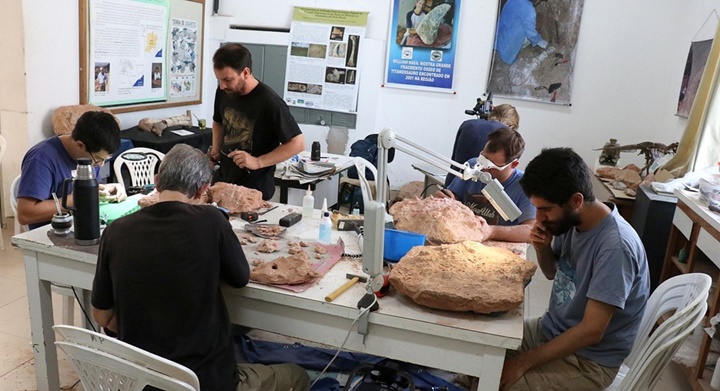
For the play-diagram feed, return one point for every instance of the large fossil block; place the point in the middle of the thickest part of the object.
(467, 276)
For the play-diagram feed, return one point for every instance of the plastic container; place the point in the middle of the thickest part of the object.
(325, 228)
(308, 204)
(398, 243)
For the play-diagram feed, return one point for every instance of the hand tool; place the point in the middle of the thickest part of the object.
(339, 291)
(252, 216)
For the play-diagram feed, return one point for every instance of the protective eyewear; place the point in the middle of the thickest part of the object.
(485, 163)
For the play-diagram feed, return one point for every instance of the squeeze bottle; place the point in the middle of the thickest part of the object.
(308, 204)
(325, 228)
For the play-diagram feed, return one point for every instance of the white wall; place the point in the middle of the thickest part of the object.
(629, 64)
(628, 68)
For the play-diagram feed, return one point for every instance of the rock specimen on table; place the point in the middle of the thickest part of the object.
(427, 29)
(158, 125)
(151, 198)
(269, 246)
(291, 270)
(235, 198)
(441, 220)
(64, 118)
(467, 276)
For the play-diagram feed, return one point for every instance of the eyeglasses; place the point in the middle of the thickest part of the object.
(485, 163)
(98, 161)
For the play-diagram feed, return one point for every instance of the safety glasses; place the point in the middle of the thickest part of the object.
(485, 163)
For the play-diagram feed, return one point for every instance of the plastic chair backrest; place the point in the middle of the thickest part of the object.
(686, 295)
(13, 205)
(140, 162)
(122, 361)
(367, 191)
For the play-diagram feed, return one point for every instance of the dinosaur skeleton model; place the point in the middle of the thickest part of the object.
(648, 148)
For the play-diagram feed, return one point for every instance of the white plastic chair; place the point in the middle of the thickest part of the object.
(105, 363)
(685, 295)
(68, 311)
(140, 162)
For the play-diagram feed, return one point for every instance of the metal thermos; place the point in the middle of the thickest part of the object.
(86, 209)
(315, 151)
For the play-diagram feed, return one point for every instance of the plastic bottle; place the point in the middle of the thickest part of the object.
(355, 209)
(324, 208)
(308, 204)
(325, 228)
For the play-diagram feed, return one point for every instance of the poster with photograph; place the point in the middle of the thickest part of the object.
(534, 51)
(183, 59)
(127, 51)
(421, 44)
(323, 59)
(694, 68)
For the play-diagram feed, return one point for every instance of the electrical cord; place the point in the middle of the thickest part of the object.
(83, 309)
(347, 336)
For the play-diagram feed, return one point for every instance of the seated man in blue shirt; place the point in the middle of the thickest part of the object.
(503, 149)
(47, 164)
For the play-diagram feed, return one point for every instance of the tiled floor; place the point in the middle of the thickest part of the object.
(16, 360)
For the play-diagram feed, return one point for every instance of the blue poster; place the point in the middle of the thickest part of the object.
(421, 44)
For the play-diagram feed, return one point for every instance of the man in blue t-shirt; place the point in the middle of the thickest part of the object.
(47, 164)
(600, 282)
(502, 151)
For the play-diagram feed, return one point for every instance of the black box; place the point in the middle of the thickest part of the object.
(290, 219)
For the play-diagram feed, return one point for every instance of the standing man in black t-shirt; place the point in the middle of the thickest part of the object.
(253, 129)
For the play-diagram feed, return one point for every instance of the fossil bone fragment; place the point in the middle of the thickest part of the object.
(427, 29)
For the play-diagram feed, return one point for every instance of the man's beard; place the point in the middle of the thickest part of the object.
(569, 219)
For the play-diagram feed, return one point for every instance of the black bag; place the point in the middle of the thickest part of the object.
(367, 149)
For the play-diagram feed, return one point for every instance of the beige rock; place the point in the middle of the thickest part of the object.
(291, 270)
(441, 220)
(467, 276)
(427, 29)
(235, 198)
(64, 118)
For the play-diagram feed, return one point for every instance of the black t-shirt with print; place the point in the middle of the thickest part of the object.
(257, 123)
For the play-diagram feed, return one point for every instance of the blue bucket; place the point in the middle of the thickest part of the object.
(398, 243)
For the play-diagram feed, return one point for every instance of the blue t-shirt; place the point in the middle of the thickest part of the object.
(516, 22)
(43, 170)
(606, 264)
(470, 193)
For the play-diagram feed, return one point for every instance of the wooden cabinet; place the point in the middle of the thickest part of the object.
(694, 246)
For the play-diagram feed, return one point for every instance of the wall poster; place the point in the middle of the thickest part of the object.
(127, 51)
(534, 51)
(141, 54)
(183, 58)
(421, 44)
(694, 67)
(323, 59)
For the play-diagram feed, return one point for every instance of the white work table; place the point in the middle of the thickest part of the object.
(460, 342)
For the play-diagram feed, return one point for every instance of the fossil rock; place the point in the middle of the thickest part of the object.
(291, 270)
(467, 276)
(427, 29)
(235, 198)
(441, 220)
(64, 118)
